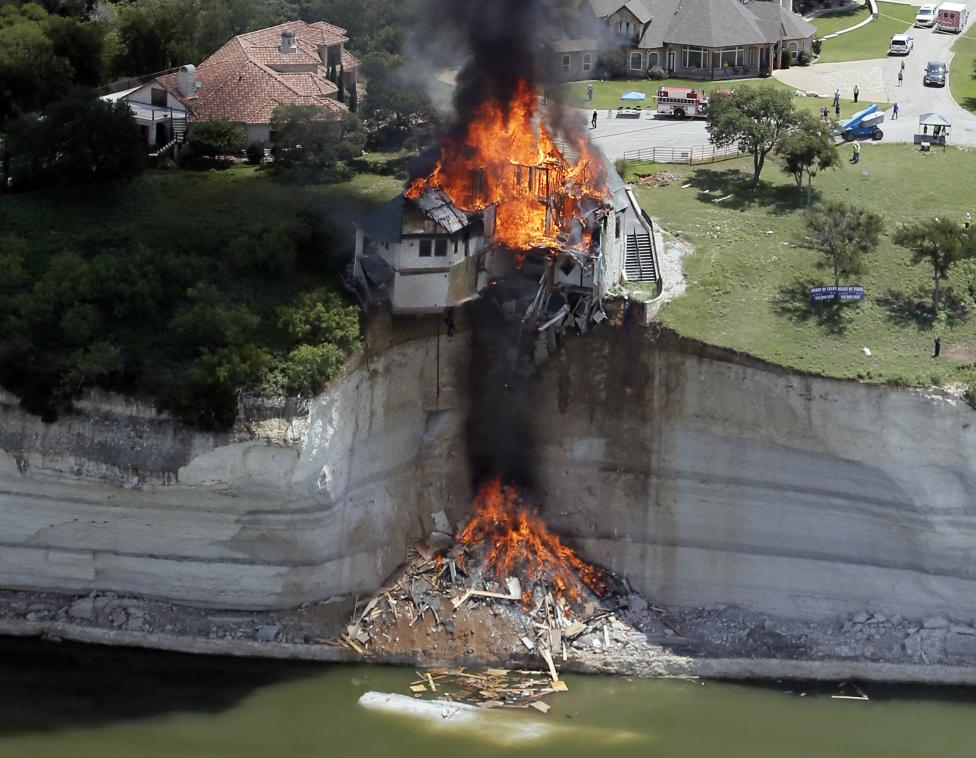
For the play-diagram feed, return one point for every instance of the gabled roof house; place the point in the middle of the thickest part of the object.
(244, 81)
(698, 39)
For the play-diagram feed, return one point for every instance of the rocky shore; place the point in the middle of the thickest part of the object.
(720, 642)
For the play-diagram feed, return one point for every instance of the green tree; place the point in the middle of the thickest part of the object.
(217, 137)
(938, 242)
(353, 97)
(754, 118)
(843, 233)
(394, 115)
(312, 138)
(341, 84)
(807, 149)
(81, 140)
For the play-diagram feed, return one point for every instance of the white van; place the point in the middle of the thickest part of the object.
(926, 15)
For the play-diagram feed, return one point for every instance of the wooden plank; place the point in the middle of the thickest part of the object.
(540, 706)
(417, 688)
(560, 686)
(547, 657)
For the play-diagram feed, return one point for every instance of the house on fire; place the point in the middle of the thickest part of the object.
(243, 82)
(693, 39)
(425, 255)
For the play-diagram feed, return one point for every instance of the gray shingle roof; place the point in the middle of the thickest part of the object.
(720, 23)
(777, 20)
(640, 8)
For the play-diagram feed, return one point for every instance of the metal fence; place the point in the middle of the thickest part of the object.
(690, 155)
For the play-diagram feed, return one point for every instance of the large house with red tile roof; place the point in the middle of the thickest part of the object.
(244, 81)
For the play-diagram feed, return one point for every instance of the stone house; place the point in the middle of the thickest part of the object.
(243, 82)
(693, 39)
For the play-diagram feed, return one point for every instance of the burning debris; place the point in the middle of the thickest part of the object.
(504, 587)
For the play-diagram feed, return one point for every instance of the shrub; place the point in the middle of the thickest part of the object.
(816, 45)
(217, 137)
(656, 73)
(254, 153)
(804, 58)
(785, 59)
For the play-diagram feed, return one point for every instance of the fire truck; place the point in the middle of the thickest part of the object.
(681, 102)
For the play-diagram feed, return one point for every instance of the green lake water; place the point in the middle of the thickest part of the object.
(61, 701)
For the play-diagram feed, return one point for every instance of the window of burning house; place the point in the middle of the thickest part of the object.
(587, 61)
(440, 248)
(696, 57)
(636, 61)
(565, 64)
(425, 248)
(731, 56)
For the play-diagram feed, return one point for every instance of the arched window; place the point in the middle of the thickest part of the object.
(652, 60)
(636, 61)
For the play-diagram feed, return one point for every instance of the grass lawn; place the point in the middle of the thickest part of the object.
(840, 19)
(606, 95)
(181, 206)
(748, 278)
(961, 80)
(869, 41)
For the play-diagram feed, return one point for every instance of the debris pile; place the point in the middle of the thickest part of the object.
(491, 688)
(659, 179)
(504, 589)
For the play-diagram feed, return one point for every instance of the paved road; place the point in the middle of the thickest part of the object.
(877, 80)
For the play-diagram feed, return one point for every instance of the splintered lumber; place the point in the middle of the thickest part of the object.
(351, 643)
(547, 657)
(574, 630)
(430, 681)
(497, 672)
(560, 686)
(528, 643)
(458, 602)
(540, 706)
(418, 688)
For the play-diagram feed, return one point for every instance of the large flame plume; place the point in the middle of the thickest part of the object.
(520, 544)
(508, 158)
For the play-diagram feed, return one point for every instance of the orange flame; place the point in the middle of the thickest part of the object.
(509, 159)
(520, 543)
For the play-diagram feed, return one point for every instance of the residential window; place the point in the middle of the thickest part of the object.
(565, 64)
(794, 49)
(440, 248)
(731, 56)
(653, 59)
(636, 61)
(425, 248)
(695, 57)
(158, 96)
(587, 61)
(618, 227)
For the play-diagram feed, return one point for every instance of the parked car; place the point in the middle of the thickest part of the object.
(901, 44)
(935, 74)
(926, 15)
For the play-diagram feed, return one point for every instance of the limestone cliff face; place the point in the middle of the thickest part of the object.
(699, 474)
(707, 477)
(280, 512)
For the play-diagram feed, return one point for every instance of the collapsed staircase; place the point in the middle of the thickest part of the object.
(639, 263)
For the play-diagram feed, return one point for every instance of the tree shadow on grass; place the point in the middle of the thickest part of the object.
(915, 308)
(740, 194)
(793, 301)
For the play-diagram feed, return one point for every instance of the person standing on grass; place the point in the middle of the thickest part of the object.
(837, 97)
(894, 112)
(856, 93)
(837, 110)
(589, 92)
(856, 158)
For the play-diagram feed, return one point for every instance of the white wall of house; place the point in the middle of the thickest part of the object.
(164, 97)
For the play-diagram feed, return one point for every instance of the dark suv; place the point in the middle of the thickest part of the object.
(935, 73)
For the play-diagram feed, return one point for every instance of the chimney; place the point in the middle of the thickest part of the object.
(287, 41)
(187, 80)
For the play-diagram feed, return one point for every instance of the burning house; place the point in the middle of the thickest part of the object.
(507, 205)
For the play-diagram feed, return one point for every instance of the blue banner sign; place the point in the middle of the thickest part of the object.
(833, 292)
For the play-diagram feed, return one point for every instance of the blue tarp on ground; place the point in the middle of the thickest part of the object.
(633, 96)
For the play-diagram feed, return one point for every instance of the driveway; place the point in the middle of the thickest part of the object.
(878, 82)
